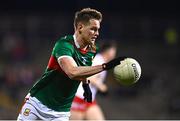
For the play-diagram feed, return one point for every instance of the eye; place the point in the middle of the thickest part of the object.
(94, 29)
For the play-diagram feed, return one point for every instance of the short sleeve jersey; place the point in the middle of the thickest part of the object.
(55, 89)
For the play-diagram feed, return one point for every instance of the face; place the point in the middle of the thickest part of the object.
(90, 31)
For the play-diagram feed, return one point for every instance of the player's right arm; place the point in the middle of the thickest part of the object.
(69, 66)
(63, 51)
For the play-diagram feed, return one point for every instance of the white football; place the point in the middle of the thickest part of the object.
(128, 72)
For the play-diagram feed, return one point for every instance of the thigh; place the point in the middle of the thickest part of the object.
(78, 109)
(77, 115)
(94, 112)
(45, 113)
(33, 109)
(28, 112)
(62, 117)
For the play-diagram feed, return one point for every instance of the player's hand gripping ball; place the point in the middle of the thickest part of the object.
(128, 72)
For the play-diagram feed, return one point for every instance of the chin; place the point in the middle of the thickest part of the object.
(93, 40)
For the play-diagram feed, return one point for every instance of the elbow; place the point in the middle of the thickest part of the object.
(72, 74)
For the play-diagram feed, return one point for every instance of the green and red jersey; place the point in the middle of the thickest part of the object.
(55, 89)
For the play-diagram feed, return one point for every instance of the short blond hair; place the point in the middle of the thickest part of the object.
(85, 15)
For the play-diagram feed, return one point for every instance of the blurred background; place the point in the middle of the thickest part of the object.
(147, 30)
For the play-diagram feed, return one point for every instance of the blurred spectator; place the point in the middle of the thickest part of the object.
(171, 36)
(13, 48)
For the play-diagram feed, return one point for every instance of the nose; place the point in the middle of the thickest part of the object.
(97, 33)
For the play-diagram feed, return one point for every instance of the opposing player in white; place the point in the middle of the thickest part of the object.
(91, 111)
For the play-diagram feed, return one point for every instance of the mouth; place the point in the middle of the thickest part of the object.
(94, 38)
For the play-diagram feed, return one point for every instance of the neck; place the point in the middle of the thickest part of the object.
(80, 41)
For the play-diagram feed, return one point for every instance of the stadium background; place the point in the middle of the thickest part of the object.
(146, 30)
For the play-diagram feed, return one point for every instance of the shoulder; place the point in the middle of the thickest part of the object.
(65, 41)
(68, 38)
(63, 46)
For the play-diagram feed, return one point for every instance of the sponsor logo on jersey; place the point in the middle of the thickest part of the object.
(26, 112)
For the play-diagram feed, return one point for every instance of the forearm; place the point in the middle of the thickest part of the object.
(69, 66)
(85, 71)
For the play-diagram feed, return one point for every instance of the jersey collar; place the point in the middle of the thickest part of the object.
(75, 41)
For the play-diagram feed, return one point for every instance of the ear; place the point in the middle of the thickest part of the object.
(80, 27)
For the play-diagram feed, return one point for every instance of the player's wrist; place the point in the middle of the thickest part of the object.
(104, 66)
(113, 63)
(86, 81)
(108, 66)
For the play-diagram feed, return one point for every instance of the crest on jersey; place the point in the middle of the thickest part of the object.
(26, 112)
(84, 60)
